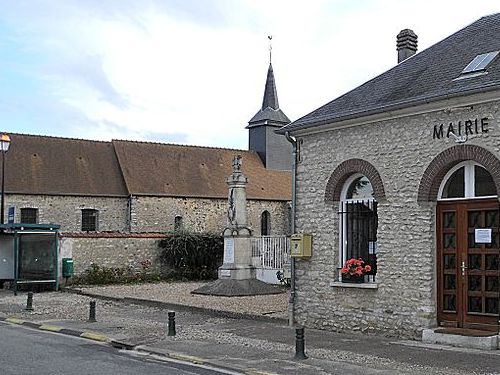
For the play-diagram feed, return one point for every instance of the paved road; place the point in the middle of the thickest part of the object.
(29, 352)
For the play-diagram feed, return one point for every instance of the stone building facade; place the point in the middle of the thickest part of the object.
(408, 180)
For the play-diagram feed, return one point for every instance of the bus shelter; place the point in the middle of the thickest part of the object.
(29, 254)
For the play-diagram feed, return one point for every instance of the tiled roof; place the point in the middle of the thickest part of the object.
(64, 166)
(427, 76)
(50, 165)
(160, 169)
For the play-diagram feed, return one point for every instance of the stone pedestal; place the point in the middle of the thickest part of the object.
(237, 275)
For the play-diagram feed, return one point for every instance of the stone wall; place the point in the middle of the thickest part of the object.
(67, 210)
(149, 214)
(109, 250)
(157, 214)
(404, 301)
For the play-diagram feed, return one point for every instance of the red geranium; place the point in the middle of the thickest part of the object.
(355, 267)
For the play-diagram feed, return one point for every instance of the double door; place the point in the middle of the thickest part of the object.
(468, 243)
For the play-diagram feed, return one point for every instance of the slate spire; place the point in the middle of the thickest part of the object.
(270, 113)
(270, 94)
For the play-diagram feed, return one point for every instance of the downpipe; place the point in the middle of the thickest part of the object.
(291, 301)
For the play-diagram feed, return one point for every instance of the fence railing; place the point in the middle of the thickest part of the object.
(270, 252)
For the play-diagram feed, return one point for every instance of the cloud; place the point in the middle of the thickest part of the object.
(193, 71)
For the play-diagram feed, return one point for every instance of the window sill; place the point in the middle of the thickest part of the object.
(339, 284)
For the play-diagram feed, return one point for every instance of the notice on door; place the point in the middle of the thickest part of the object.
(482, 236)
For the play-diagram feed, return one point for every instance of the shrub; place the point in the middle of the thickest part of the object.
(192, 256)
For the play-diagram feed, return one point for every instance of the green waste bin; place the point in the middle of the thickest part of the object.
(67, 267)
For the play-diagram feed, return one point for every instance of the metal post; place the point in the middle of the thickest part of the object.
(171, 323)
(29, 302)
(92, 312)
(300, 344)
(3, 189)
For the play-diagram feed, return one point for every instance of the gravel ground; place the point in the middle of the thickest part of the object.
(180, 293)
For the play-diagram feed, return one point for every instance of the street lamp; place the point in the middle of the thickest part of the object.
(4, 147)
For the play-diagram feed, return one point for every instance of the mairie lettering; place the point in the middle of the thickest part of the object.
(466, 127)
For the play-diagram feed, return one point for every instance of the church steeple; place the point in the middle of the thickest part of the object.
(273, 149)
(270, 113)
(270, 94)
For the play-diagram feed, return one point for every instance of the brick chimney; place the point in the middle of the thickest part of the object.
(406, 44)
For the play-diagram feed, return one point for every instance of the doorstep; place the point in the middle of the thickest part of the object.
(463, 338)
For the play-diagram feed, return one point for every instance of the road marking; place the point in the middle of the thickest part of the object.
(14, 321)
(188, 358)
(48, 327)
(94, 336)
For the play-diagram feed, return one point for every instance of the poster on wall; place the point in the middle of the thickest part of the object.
(482, 235)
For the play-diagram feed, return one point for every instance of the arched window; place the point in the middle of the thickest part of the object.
(358, 223)
(465, 181)
(265, 224)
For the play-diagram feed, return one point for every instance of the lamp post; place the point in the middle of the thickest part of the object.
(4, 146)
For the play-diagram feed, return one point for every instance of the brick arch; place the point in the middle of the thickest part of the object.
(433, 176)
(345, 170)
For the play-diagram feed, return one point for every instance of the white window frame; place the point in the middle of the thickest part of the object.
(343, 199)
(469, 182)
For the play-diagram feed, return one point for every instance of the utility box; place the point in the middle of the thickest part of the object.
(301, 245)
(67, 267)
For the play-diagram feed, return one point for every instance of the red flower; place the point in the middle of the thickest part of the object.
(355, 267)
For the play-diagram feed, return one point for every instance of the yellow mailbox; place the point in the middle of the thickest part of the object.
(301, 245)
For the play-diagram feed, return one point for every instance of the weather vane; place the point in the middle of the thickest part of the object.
(270, 37)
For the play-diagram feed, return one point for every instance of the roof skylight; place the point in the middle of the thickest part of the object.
(480, 62)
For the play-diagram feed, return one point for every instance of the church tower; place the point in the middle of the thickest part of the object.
(274, 150)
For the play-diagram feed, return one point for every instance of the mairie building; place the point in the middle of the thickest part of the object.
(403, 174)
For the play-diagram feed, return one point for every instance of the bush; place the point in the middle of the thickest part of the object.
(193, 256)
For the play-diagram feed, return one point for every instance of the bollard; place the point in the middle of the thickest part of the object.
(29, 302)
(171, 323)
(299, 344)
(92, 312)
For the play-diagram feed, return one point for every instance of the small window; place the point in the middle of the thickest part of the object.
(467, 180)
(480, 62)
(265, 224)
(178, 223)
(29, 215)
(89, 220)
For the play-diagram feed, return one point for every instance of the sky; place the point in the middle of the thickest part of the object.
(193, 71)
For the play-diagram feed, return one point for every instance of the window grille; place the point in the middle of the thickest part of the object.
(89, 220)
(29, 215)
(358, 232)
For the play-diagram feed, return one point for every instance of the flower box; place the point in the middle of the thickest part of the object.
(353, 279)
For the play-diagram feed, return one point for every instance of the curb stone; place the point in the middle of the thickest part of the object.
(180, 307)
(58, 329)
(199, 361)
